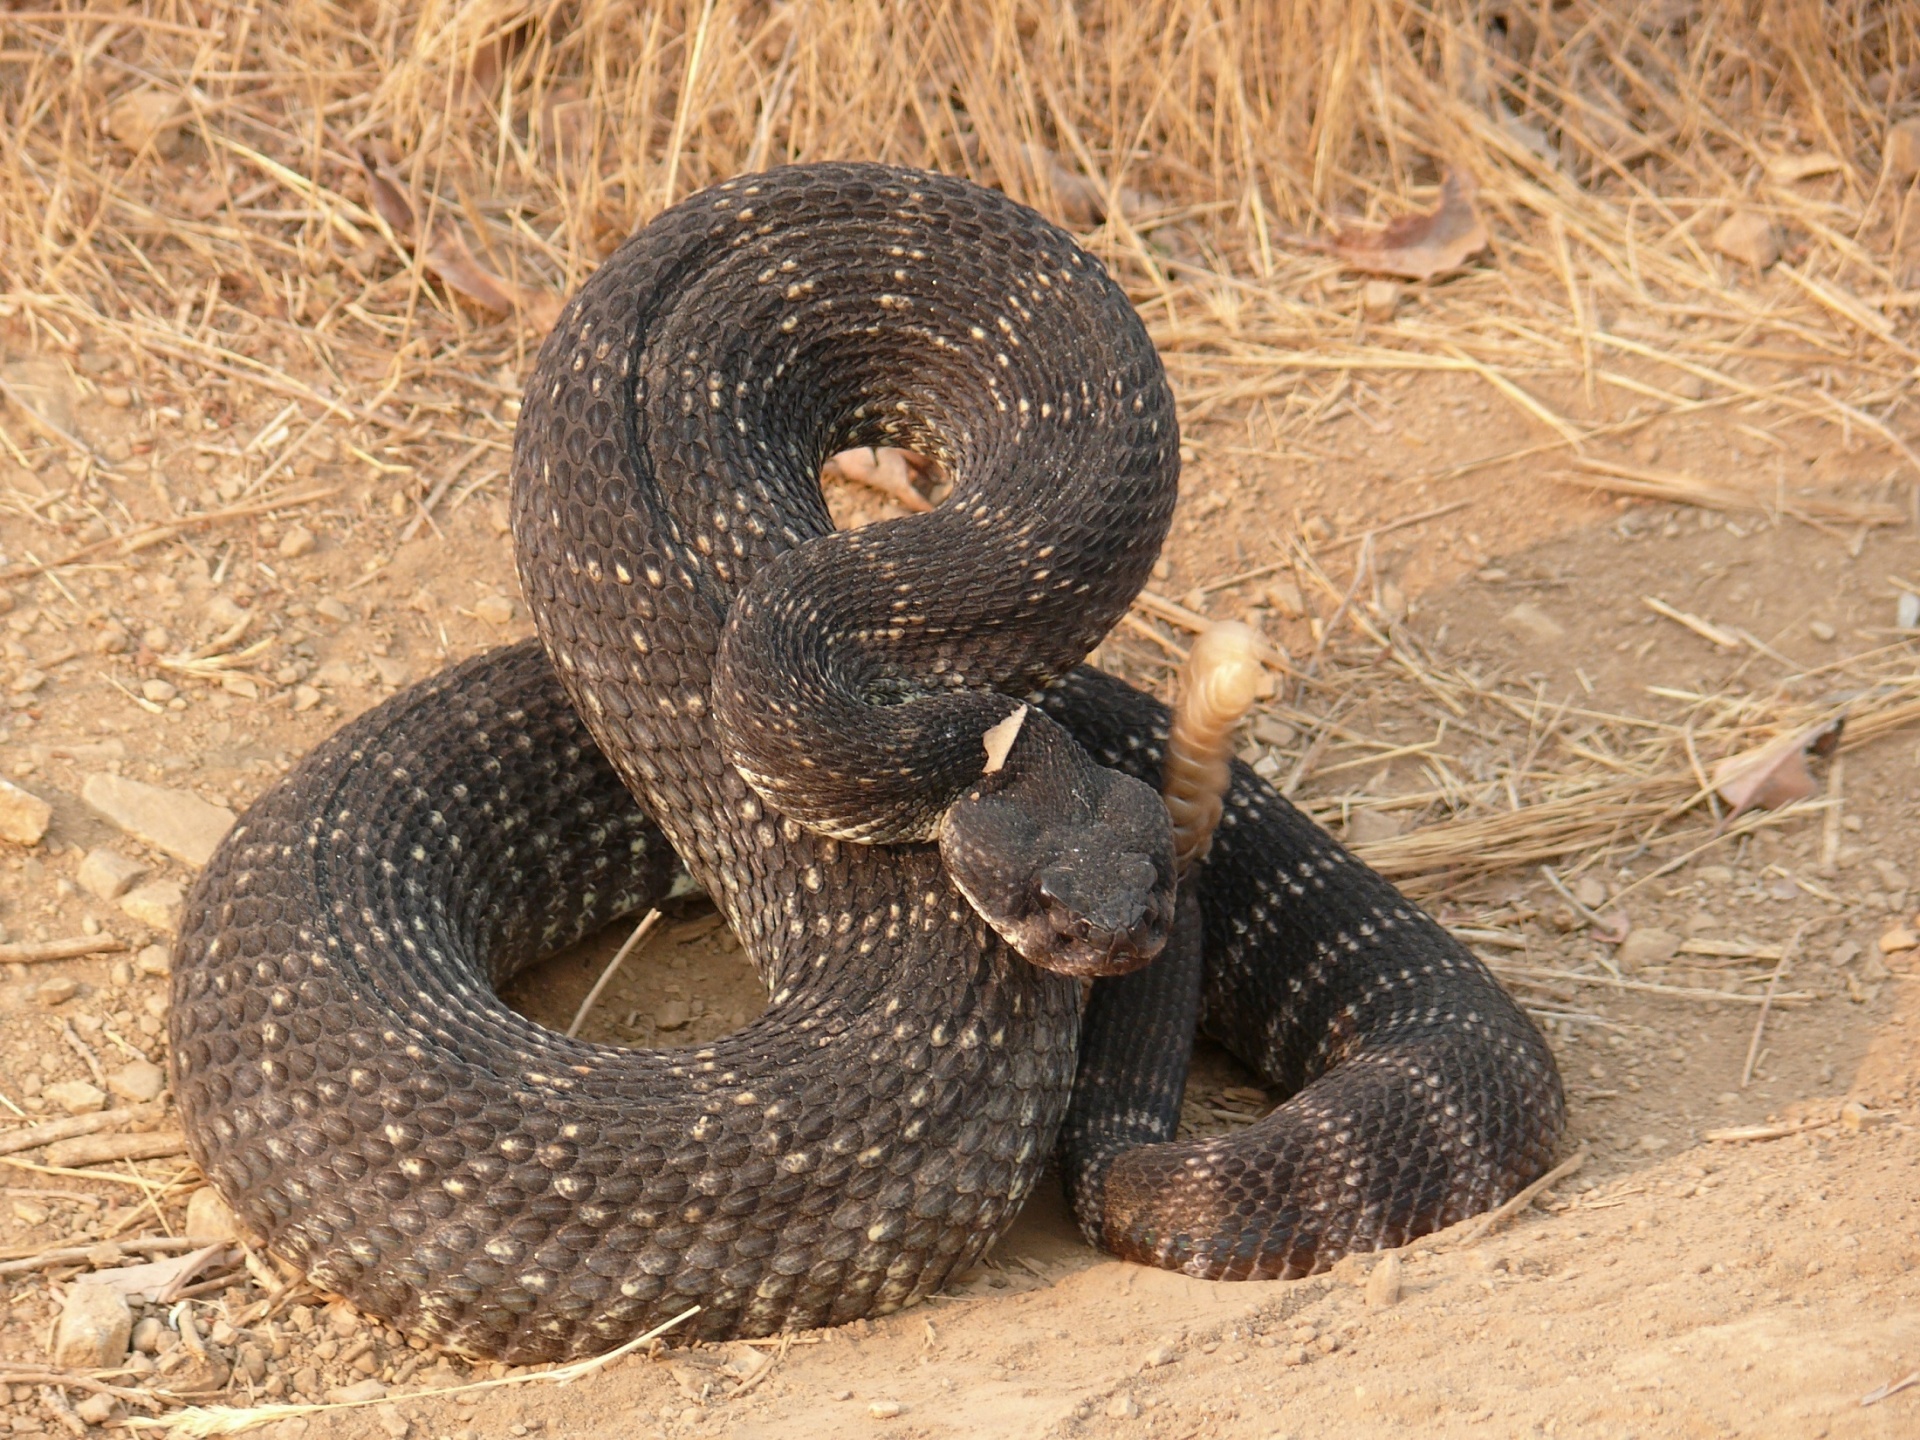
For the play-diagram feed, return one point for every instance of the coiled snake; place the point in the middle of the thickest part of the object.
(777, 696)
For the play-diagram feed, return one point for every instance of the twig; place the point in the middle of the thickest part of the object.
(32, 952)
(1740, 1134)
(1766, 1004)
(230, 1420)
(640, 932)
(424, 514)
(1478, 1228)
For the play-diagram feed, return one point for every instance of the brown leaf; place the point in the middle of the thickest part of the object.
(1422, 245)
(886, 469)
(162, 1280)
(447, 255)
(1775, 774)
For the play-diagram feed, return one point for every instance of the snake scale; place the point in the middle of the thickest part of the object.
(715, 660)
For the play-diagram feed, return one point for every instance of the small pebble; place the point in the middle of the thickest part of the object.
(76, 1097)
(94, 1327)
(1123, 1407)
(94, 1409)
(210, 1218)
(296, 542)
(159, 691)
(1383, 1283)
(1821, 630)
(886, 1409)
(139, 1081)
(56, 991)
(494, 609)
(1161, 1354)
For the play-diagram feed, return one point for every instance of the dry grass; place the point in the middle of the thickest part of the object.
(227, 232)
(187, 181)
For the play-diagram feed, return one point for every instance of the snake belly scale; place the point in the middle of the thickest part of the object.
(352, 1083)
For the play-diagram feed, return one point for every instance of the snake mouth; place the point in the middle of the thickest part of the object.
(1101, 915)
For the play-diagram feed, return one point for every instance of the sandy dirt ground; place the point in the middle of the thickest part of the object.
(1673, 1285)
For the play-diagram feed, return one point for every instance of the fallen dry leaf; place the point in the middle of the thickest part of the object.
(885, 469)
(1775, 774)
(446, 254)
(162, 1280)
(1422, 245)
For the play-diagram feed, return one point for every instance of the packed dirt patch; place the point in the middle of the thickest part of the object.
(1543, 540)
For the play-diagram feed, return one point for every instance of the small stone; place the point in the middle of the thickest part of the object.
(1162, 1354)
(1371, 827)
(1901, 154)
(1530, 622)
(118, 396)
(24, 817)
(673, 1015)
(245, 686)
(56, 991)
(154, 960)
(147, 1332)
(1906, 611)
(886, 1409)
(298, 541)
(392, 671)
(1295, 1355)
(30, 1212)
(138, 1081)
(94, 1327)
(1821, 630)
(156, 904)
(1123, 1407)
(494, 609)
(182, 824)
(335, 610)
(1284, 596)
(1590, 891)
(392, 1421)
(159, 691)
(146, 117)
(1900, 937)
(1383, 1283)
(1646, 947)
(111, 640)
(357, 1393)
(76, 1097)
(28, 681)
(1378, 300)
(1747, 239)
(108, 874)
(210, 1218)
(305, 697)
(1269, 731)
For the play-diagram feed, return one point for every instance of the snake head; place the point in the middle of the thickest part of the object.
(1071, 863)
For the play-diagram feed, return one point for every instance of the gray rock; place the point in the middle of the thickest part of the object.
(93, 1328)
(210, 1218)
(182, 824)
(24, 816)
(108, 874)
(138, 1081)
(1530, 622)
(76, 1097)
(156, 904)
(1646, 947)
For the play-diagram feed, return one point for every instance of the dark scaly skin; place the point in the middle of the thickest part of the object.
(347, 1075)
(1418, 1092)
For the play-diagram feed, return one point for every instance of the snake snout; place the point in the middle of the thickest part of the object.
(1108, 914)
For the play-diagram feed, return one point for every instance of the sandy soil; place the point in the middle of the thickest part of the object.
(1673, 1286)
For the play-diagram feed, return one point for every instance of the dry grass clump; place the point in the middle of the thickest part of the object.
(188, 176)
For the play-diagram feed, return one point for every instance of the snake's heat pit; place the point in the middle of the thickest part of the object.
(726, 687)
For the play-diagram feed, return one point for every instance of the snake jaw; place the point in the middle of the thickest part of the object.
(1070, 863)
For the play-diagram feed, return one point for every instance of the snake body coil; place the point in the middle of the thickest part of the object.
(350, 1079)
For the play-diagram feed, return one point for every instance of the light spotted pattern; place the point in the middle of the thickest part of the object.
(352, 1083)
